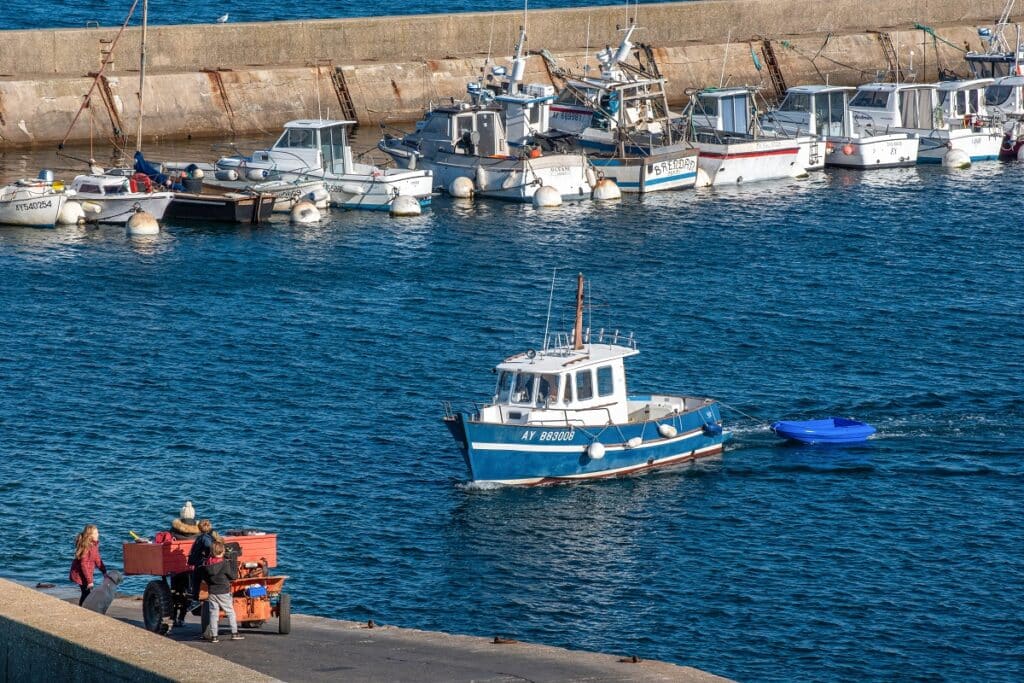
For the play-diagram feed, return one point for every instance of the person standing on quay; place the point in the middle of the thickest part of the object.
(218, 574)
(87, 560)
(198, 554)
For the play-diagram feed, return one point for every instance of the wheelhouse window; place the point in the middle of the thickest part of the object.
(523, 391)
(796, 102)
(876, 99)
(584, 385)
(605, 382)
(547, 390)
(567, 390)
(504, 389)
(997, 94)
(296, 137)
(707, 106)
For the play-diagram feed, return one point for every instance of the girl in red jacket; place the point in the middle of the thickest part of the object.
(87, 559)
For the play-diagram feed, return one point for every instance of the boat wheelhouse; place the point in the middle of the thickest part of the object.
(319, 150)
(822, 112)
(120, 196)
(564, 413)
(722, 124)
(943, 116)
(1004, 99)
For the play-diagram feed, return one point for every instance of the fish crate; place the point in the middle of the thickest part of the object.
(164, 559)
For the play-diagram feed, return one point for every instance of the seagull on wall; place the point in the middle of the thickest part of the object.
(222, 19)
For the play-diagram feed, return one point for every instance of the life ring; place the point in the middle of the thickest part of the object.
(140, 181)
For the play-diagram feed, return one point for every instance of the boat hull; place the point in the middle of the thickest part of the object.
(664, 169)
(731, 163)
(117, 210)
(879, 151)
(220, 208)
(982, 145)
(30, 206)
(530, 455)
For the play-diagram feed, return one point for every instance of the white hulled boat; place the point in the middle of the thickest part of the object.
(35, 203)
(119, 196)
(822, 111)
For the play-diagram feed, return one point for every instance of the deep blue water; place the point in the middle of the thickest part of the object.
(291, 378)
(25, 14)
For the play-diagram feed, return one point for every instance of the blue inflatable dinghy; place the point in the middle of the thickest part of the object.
(830, 430)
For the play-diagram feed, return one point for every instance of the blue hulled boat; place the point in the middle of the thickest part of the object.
(563, 414)
(830, 430)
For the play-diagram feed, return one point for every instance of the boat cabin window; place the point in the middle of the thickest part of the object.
(605, 383)
(584, 385)
(487, 127)
(870, 98)
(567, 390)
(296, 137)
(798, 102)
(998, 94)
(916, 108)
(95, 189)
(569, 96)
(332, 146)
(735, 114)
(504, 390)
(463, 133)
(547, 391)
(707, 106)
(523, 391)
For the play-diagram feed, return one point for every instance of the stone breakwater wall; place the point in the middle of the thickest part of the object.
(223, 79)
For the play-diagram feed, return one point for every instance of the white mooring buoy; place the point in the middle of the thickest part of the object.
(546, 195)
(404, 205)
(142, 223)
(71, 213)
(607, 190)
(956, 158)
(305, 212)
(461, 188)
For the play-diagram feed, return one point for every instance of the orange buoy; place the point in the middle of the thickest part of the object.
(847, 149)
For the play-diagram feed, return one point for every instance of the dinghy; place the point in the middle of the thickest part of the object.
(829, 430)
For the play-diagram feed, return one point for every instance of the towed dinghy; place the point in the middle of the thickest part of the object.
(829, 430)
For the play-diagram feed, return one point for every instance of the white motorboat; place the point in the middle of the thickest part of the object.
(118, 197)
(33, 203)
(490, 140)
(315, 154)
(723, 126)
(822, 112)
(945, 116)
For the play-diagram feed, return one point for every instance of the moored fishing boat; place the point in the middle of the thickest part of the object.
(33, 203)
(563, 414)
(823, 112)
(118, 197)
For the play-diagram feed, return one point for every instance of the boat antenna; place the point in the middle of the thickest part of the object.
(728, 39)
(142, 71)
(577, 332)
(547, 323)
(586, 57)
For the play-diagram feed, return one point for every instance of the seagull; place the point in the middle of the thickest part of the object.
(222, 19)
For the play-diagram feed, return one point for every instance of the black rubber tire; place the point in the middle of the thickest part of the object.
(156, 606)
(284, 614)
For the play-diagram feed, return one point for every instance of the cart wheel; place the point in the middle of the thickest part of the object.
(284, 614)
(156, 606)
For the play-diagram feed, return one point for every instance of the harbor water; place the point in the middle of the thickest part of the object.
(290, 378)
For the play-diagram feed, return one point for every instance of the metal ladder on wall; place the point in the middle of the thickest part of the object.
(894, 73)
(778, 82)
(348, 108)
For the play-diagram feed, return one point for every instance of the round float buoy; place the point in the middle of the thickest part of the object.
(703, 178)
(461, 188)
(71, 213)
(595, 450)
(847, 149)
(829, 148)
(198, 174)
(667, 431)
(305, 212)
(142, 223)
(546, 195)
(606, 190)
(635, 442)
(956, 158)
(404, 205)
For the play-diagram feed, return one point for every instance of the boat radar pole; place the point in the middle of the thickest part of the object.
(577, 333)
(142, 71)
(518, 64)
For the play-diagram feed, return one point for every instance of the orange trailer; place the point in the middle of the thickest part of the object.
(256, 595)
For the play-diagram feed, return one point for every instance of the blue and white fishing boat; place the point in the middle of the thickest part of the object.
(563, 414)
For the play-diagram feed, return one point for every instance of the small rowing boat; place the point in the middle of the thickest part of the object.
(829, 430)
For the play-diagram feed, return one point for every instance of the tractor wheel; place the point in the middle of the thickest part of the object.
(284, 614)
(156, 606)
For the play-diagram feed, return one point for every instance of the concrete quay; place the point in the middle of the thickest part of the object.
(224, 79)
(321, 650)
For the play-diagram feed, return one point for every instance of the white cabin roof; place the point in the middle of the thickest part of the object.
(318, 123)
(727, 92)
(966, 84)
(555, 361)
(895, 87)
(815, 89)
(1009, 81)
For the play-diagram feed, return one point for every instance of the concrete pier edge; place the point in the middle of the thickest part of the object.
(224, 79)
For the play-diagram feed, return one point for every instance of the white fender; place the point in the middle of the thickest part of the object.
(956, 158)
(352, 188)
(591, 176)
(595, 450)
(667, 431)
(634, 442)
(72, 213)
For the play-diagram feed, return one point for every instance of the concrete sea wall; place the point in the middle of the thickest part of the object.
(45, 639)
(219, 79)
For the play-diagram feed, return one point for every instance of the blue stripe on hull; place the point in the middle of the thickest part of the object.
(531, 455)
(938, 160)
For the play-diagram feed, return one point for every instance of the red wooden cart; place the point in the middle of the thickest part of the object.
(256, 595)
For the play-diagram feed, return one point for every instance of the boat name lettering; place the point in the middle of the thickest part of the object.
(674, 165)
(32, 206)
(559, 170)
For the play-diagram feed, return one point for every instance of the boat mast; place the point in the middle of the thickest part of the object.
(142, 71)
(577, 333)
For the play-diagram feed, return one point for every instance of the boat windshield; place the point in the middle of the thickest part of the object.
(504, 391)
(870, 98)
(796, 102)
(548, 390)
(967, 101)
(296, 137)
(998, 94)
(523, 391)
